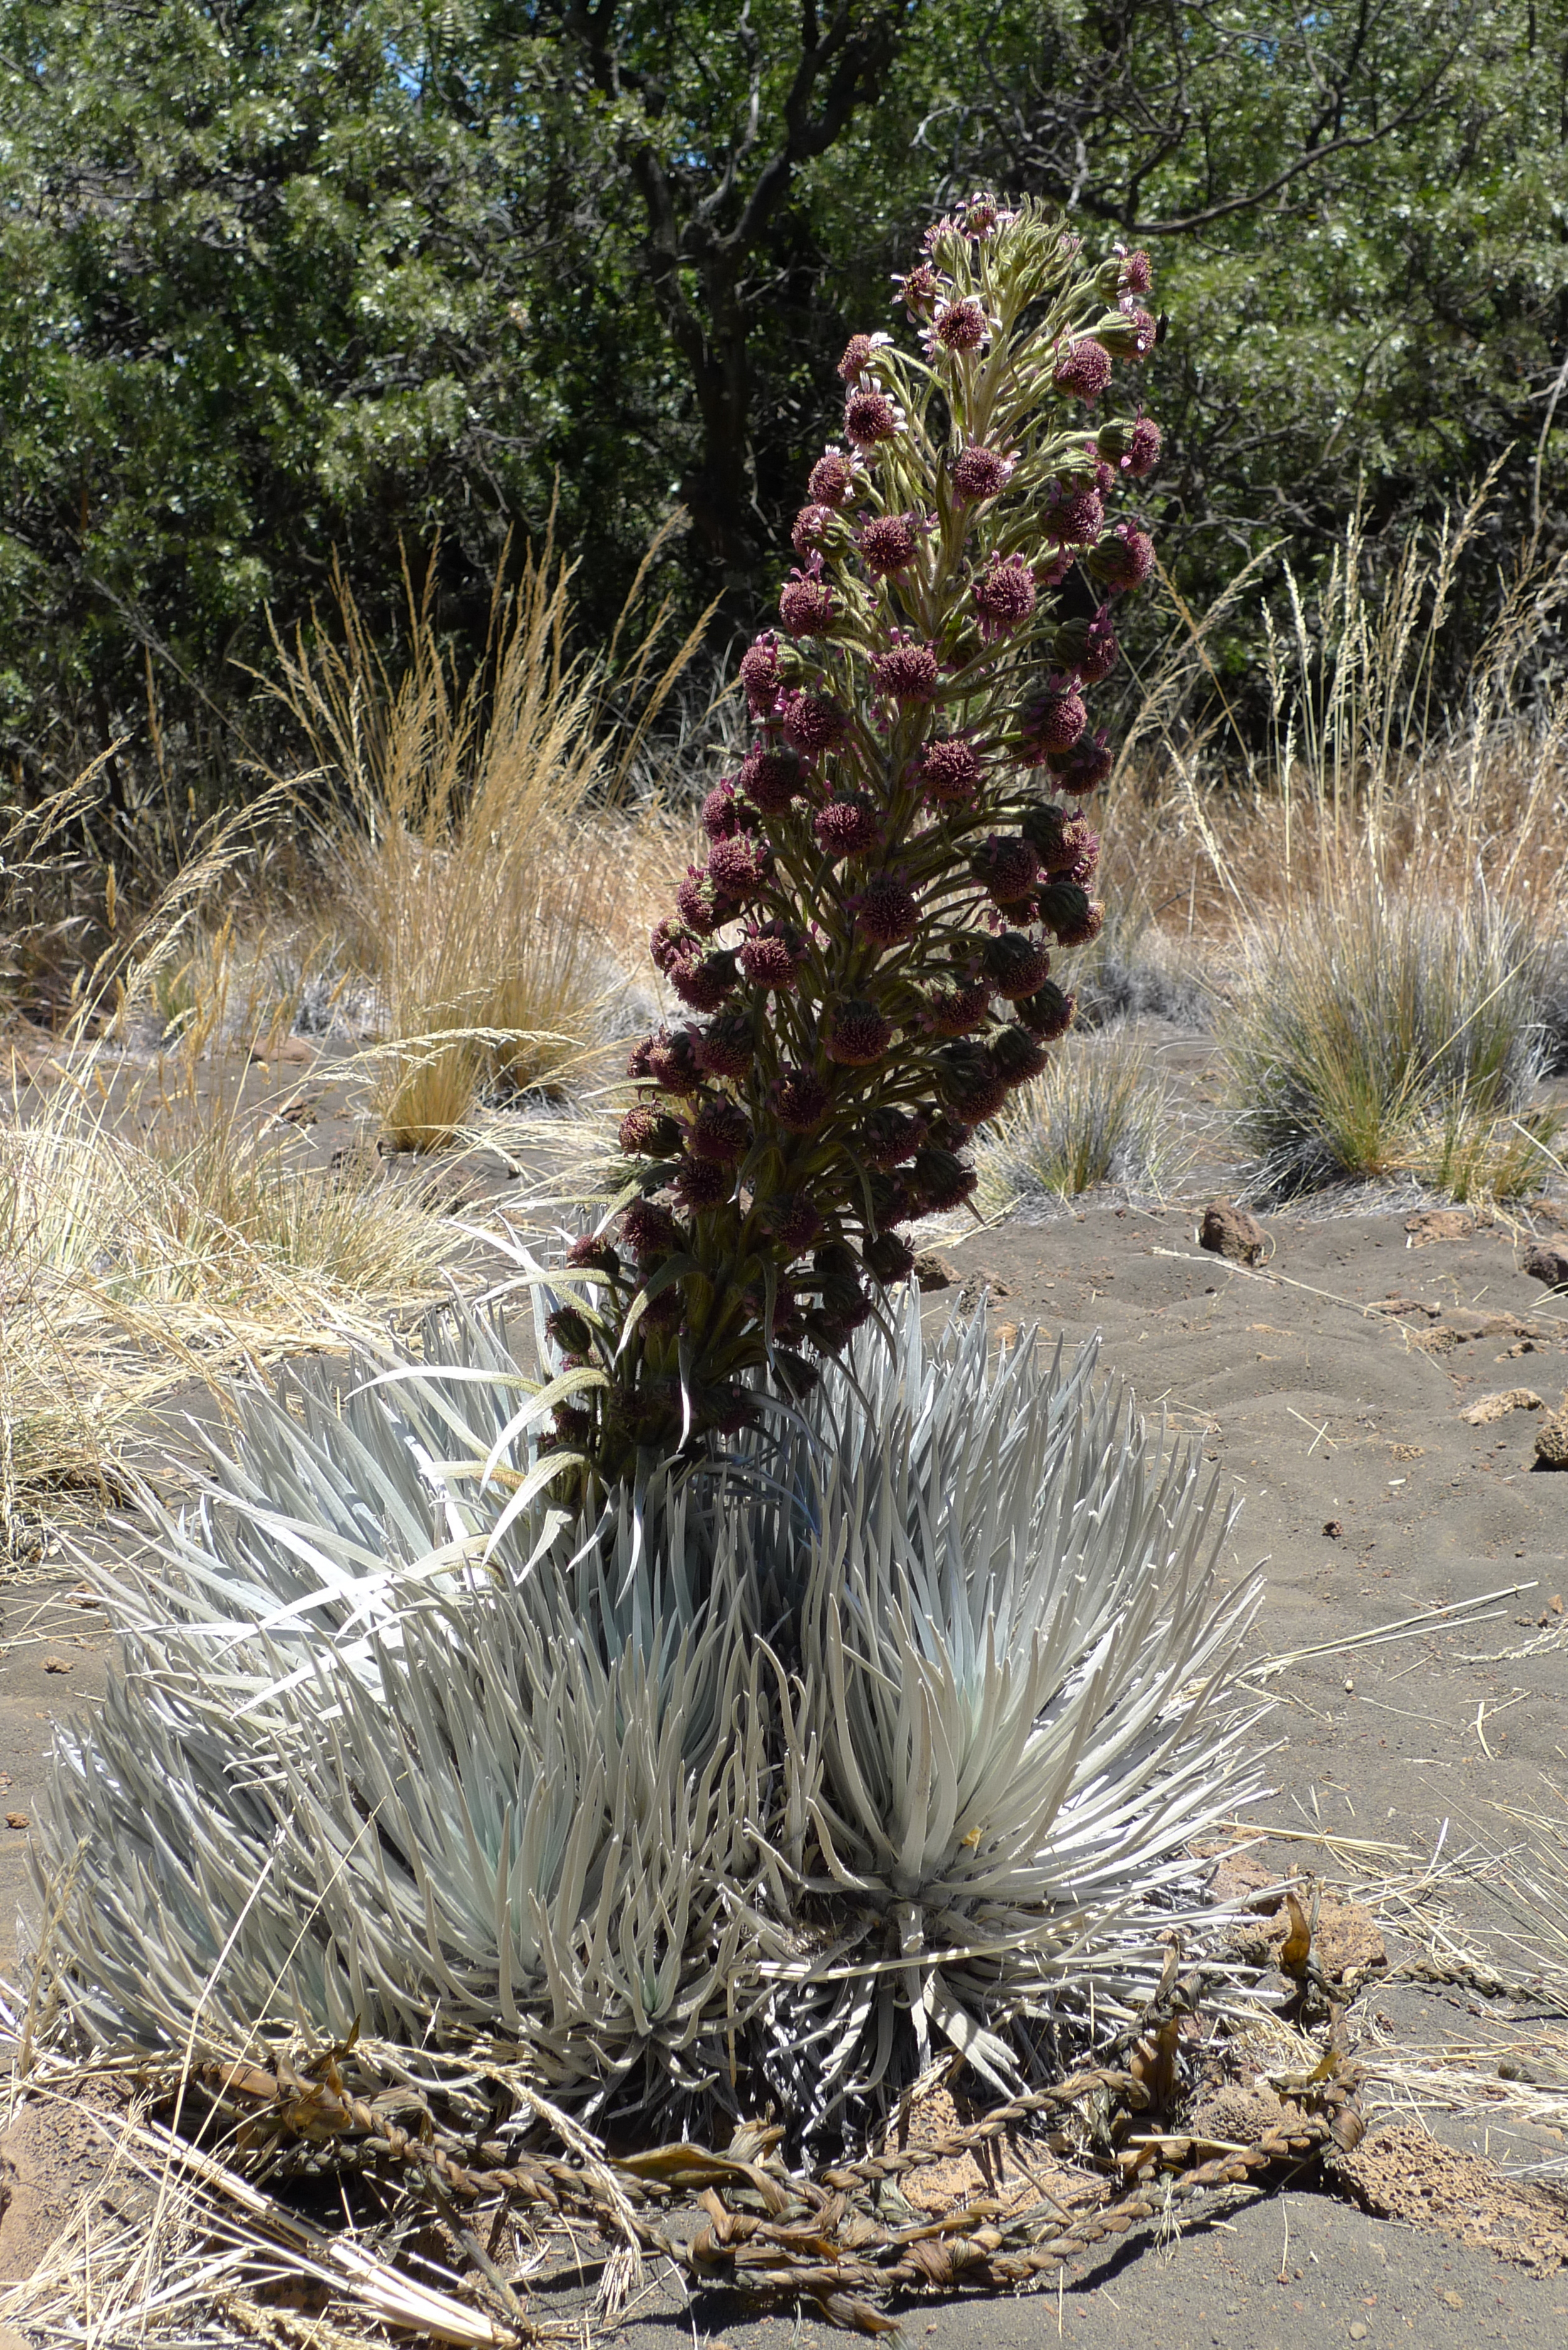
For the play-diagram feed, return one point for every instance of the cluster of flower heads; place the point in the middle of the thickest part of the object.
(867, 951)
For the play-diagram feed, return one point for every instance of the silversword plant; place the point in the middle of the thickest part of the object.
(867, 951)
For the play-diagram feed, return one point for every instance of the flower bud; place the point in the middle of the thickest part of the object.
(727, 1047)
(739, 868)
(1047, 1014)
(703, 1183)
(889, 1258)
(704, 984)
(848, 827)
(760, 674)
(569, 1330)
(941, 1180)
(1004, 596)
(888, 1136)
(672, 1061)
(648, 1133)
(721, 1131)
(1066, 908)
(886, 911)
(970, 1082)
(1006, 868)
(800, 1100)
(858, 1034)
(592, 1253)
(1018, 1055)
(648, 1230)
(950, 773)
(1014, 964)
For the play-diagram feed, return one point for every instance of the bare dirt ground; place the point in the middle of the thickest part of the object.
(1329, 1384)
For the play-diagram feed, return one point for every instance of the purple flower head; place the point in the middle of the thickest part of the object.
(1083, 369)
(727, 1047)
(859, 1034)
(1075, 516)
(886, 911)
(648, 1133)
(834, 480)
(889, 1258)
(857, 355)
(983, 217)
(700, 1183)
(1132, 448)
(1089, 647)
(671, 944)
(722, 811)
(919, 289)
(572, 1424)
(672, 1061)
(1143, 449)
(740, 868)
(704, 985)
(1044, 826)
(950, 773)
(570, 1331)
(700, 902)
(848, 827)
(1014, 964)
(1004, 596)
(793, 1220)
(760, 674)
(813, 723)
(1137, 271)
(1071, 842)
(648, 1230)
(772, 955)
(812, 525)
(806, 605)
(1018, 1055)
(592, 1253)
(978, 473)
(1048, 1013)
(1067, 909)
(638, 1060)
(970, 1082)
(890, 1136)
(941, 1181)
(1006, 868)
(664, 1312)
(721, 1131)
(1053, 722)
(1123, 558)
(958, 327)
(907, 672)
(957, 1011)
(871, 417)
(1085, 767)
(886, 543)
(770, 779)
(800, 1100)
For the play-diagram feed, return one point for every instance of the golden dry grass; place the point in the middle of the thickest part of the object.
(482, 870)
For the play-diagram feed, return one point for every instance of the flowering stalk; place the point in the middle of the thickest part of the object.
(867, 949)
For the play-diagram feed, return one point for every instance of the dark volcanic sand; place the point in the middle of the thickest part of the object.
(1318, 1414)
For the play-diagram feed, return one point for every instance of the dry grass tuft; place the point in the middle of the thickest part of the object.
(1097, 1115)
(1374, 1036)
(481, 868)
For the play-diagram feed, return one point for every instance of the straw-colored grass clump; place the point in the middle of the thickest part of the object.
(1098, 1115)
(1377, 1036)
(479, 858)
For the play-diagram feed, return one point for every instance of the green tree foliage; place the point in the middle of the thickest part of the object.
(284, 277)
(1359, 216)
